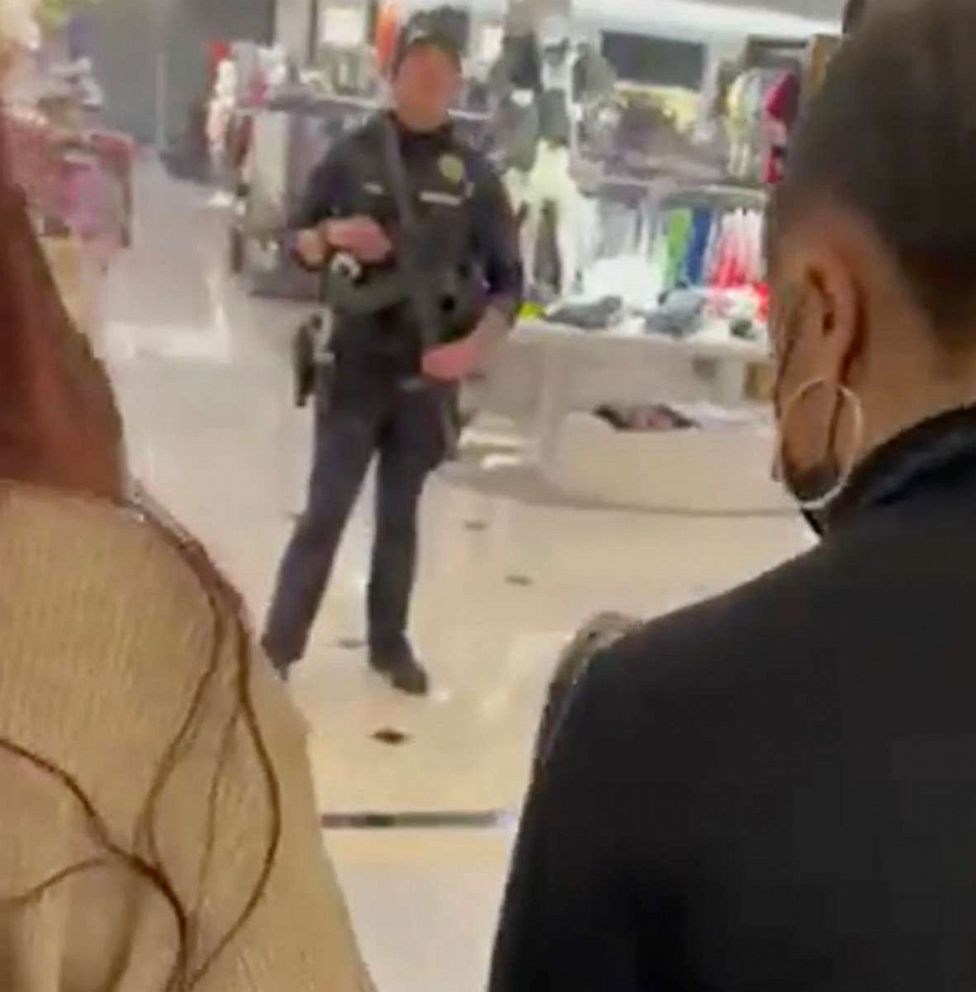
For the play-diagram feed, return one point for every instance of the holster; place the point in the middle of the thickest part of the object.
(303, 359)
(313, 372)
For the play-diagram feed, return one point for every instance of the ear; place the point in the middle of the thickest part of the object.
(836, 308)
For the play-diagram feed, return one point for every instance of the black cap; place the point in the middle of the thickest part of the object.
(431, 28)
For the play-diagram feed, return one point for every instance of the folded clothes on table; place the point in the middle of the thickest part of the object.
(588, 316)
(680, 314)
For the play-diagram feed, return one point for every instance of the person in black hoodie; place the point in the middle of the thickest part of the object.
(776, 790)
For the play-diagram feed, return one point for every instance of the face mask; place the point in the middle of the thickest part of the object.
(806, 485)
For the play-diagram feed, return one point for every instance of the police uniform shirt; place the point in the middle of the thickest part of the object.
(453, 186)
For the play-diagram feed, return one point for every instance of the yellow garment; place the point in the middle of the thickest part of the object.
(105, 635)
(682, 106)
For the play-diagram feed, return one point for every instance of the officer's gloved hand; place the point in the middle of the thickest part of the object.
(462, 359)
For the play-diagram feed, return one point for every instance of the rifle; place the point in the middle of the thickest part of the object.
(360, 291)
(426, 308)
(415, 276)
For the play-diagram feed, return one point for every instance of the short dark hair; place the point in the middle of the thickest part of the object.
(853, 14)
(892, 136)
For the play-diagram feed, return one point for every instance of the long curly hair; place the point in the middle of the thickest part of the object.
(60, 429)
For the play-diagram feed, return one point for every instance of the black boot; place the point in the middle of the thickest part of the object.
(399, 664)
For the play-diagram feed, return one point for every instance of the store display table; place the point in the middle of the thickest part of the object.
(548, 370)
(549, 378)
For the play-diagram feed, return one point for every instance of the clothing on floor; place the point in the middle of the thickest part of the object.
(644, 417)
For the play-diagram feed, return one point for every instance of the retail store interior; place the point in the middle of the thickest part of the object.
(617, 451)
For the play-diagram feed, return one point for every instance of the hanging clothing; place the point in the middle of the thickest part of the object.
(780, 108)
(712, 246)
(701, 231)
(678, 232)
(387, 33)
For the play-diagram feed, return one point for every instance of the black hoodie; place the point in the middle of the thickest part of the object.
(775, 790)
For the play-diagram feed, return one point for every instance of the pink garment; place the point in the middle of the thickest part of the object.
(780, 110)
(782, 101)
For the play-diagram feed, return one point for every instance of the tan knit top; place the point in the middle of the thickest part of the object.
(105, 637)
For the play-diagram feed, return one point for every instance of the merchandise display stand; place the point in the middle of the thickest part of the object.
(75, 175)
(575, 370)
(550, 377)
(706, 472)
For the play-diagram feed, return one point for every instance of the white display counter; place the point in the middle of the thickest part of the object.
(549, 379)
(711, 471)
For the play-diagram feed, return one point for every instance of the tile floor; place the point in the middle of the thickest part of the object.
(203, 375)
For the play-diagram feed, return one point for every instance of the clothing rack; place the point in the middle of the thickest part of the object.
(717, 195)
(712, 235)
(775, 54)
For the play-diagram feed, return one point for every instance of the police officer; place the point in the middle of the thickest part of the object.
(373, 405)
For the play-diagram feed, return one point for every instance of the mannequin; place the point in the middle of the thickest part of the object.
(219, 114)
(534, 81)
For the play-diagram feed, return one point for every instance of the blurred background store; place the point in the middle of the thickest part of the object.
(618, 451)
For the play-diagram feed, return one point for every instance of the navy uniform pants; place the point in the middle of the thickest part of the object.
(362, 415)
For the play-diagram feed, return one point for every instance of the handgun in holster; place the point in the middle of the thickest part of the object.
(313, 366)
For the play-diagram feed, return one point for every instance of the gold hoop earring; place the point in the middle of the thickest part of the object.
(847, 395)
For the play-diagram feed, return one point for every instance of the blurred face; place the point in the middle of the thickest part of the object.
(425, 87)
